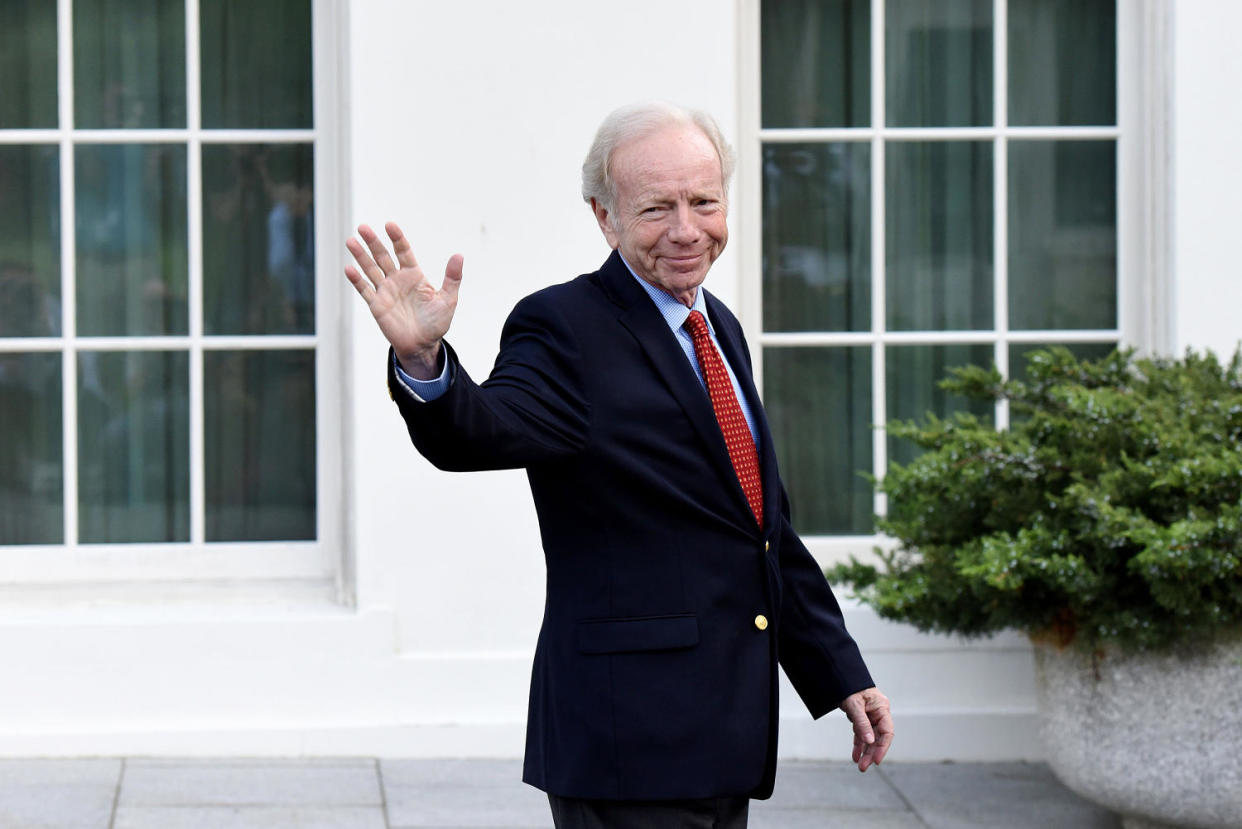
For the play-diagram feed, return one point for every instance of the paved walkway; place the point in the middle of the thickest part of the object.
(469, 794)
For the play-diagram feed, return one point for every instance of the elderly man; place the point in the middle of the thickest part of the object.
(675, 581)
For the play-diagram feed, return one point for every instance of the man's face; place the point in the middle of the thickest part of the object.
(669, 217)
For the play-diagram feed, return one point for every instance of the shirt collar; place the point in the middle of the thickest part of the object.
(674, 313)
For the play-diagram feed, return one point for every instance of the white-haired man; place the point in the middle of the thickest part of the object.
(676, 584)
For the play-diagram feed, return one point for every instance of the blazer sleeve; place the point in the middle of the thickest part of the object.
(819, 656)
(533, 408)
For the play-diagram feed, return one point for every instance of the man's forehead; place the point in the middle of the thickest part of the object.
(663, 165)
(668, 148)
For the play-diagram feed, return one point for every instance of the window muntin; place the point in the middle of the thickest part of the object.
(969, 215)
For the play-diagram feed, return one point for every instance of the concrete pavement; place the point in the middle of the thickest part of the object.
(366, 793)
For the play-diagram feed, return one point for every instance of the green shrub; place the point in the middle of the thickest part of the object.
(1110, 510)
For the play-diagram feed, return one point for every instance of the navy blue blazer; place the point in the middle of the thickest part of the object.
(653, 677)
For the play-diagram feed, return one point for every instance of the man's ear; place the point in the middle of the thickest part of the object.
(605, 223)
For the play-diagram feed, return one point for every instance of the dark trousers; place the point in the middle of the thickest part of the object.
(708, 813)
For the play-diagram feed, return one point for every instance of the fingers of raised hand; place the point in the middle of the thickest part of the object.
(379, 251)
(360, 283)
(363, 257)
(401, 246)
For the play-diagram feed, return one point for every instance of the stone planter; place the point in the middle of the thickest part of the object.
(1156, 738)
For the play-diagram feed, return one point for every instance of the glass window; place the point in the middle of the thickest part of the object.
(158, 340)
(31, 469)
(130, 203)
(817, 237)
(133, 446)
(938, 235)
(258, 239)
(134, 81)
(938, 63)
(971, 225)
(29, 240)
(816, 63)
(256, 64)
(28, 64)
(1062, 62)
(819, 409)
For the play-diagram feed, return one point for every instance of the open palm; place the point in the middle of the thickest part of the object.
(412, 315)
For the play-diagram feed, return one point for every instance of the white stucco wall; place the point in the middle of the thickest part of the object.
(1207, 175)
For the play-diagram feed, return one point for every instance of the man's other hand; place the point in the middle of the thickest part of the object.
(410, 312)
(873, 726)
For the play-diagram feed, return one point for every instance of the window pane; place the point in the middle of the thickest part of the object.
(31, 472)
(256, 64)
(817, 237)
(133, 446)
(28, 64)
(131, 239)
(1062, 62)
(1062, 234)
(938, 205)
(129, 63)
(260, 445)
(258, 239)
(816, 63)
(818, 403)
(938, 63)
(29, 241)
(912, 374)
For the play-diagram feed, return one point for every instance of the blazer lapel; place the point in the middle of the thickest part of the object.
(643, 320)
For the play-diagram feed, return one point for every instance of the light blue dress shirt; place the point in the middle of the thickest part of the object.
(674, 313)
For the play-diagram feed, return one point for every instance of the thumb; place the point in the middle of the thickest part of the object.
(452, 276)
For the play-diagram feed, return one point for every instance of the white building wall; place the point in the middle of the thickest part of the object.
(467, 123)
(1207, 176)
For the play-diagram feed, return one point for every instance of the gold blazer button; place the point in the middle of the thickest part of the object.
(761, 622)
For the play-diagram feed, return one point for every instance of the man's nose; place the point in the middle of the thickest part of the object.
(684, 227)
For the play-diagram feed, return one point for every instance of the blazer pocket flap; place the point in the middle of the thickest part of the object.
(646, 633)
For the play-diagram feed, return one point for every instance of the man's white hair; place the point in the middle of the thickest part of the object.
(635, 121)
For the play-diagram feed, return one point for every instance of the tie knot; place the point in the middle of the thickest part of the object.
(696, 324)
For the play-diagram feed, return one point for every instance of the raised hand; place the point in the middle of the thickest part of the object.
(410, 312)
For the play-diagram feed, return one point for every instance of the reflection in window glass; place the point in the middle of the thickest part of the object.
(29, 240)
(1062, 234)
(938, 63)
(131, 239)
(260, 445)
(27, 64)
(912, 377)
(817, 237)
(132, 81)
(258, 239)
(133, 446)
(938, 202)
(256, 64)
(1062, 62)
(31, 472)
(816, 63)
(818, 403)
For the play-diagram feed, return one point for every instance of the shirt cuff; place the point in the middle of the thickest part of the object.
(424, 391)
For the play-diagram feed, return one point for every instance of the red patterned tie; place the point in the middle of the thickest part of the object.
(738, 439)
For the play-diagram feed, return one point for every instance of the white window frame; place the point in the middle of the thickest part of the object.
(1144, 305)
(316, 568)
